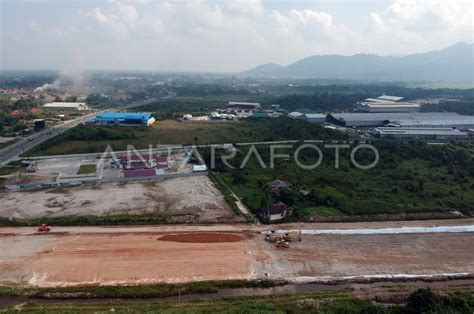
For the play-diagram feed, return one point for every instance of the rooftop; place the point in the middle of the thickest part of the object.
(420, 131)
(390, 104)
(64, 104)
(241, 103)
(125, 115)
(315, 116)
(390, 98)
(395, 116)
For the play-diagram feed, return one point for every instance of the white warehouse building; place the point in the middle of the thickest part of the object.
(79, 106)
(387, 103)
(403, 119)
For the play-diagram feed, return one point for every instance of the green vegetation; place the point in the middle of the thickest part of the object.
(122, 219)
(86, 169)
(138, 291)
(410, 178)
(90, 139)
(421, 301)
(8, 169)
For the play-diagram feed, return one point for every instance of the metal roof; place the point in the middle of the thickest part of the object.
(393, 116)
(438, 120)
(390, 104)
(125, 115)
(315, 116)
(391, 98)
(295, 114)
(420, 131)
(64, 104)
(239, 103)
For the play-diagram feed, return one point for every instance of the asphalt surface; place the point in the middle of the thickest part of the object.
(12, 152)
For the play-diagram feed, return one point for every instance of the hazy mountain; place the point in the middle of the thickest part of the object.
(453, 64)
(263, 70)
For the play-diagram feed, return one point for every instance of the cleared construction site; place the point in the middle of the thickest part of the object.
(77, 256)
(183, 199)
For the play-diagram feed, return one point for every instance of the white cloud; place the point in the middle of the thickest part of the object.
(230, 35)
(117, 17)
(246, 7)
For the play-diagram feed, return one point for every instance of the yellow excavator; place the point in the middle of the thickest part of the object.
(288, 236)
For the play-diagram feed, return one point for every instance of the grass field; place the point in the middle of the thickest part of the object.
(86, 169)
(90, 139)
(328, 302)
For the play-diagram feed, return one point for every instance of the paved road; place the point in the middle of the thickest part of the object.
(13, 151)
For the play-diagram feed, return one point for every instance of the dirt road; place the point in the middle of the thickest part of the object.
(158, 254)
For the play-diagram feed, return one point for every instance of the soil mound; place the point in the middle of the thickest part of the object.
(201, 238)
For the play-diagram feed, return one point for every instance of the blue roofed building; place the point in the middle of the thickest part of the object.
(123, 118)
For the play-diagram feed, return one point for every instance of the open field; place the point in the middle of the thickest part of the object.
(189, 199)
(91, 139)
(171, 254)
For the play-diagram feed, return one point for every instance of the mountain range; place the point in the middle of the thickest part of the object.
(454, 64)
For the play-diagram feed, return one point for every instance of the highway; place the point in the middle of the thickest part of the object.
(13, 151)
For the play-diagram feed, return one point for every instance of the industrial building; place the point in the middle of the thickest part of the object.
(403, 119)
(420, 133)
(387, 103)
(123, 118)
(74, 106)
(295, 115)
(247, 106)
(317, 118)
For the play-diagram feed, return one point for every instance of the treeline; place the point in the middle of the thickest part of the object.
(461, 107)
(12, 112)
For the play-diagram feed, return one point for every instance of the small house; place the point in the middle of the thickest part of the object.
(276, 211)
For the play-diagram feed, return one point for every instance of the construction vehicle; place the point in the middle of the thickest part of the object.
(273, 237)
(44, 228)
(282, 244)
(292, 235)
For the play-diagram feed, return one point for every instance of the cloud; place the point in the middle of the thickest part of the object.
(117, 18)
(245, 7)
(231, 35)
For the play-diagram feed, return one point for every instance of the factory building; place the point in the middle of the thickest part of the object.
(441, 120)
(72, 106)
(246, 106)
(295, 115)
(317, 118)
(123, 118)
(387, 103)
(420, 133)
(403, 119)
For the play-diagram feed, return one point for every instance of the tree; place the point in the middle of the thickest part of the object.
(424, 301)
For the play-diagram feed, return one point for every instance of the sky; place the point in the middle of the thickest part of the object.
(219, 36)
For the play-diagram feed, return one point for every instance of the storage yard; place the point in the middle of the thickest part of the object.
(189, 199)
(110, 256)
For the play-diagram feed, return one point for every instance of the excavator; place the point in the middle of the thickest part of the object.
(44, 228)
(287, 236)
